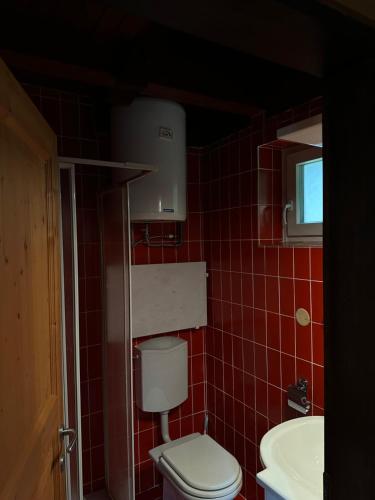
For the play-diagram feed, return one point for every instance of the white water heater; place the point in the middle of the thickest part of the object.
(152, 131)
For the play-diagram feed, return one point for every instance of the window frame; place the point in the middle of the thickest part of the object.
(292, 230)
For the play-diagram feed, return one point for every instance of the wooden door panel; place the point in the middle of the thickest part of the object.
(30, 351)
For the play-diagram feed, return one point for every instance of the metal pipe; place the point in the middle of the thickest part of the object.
(165, 426)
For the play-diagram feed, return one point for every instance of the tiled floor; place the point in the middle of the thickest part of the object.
(98, 495)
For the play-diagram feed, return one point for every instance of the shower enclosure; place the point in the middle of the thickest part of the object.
(113, 224)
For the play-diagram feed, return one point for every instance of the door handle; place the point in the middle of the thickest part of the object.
(68, 431)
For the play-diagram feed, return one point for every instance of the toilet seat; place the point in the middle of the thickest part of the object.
(202, 463)
(200, 468)
(229, 492)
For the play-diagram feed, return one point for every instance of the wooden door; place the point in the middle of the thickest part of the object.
(30, 351)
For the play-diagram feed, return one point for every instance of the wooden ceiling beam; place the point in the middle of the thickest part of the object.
(189, 98)
(305, 36)
(58, 70)
(267, 29)
(362, 10)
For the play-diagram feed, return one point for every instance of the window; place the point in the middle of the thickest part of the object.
(303, 210)
(310, 191)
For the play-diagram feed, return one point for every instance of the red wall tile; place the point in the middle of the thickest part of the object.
(275, 282)
(252, 349)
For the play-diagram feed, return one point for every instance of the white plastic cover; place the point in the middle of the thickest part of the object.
(203, 464)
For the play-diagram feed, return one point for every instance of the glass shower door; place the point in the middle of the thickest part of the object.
(117, 343)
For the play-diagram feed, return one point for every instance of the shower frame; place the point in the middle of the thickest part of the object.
(133, 171)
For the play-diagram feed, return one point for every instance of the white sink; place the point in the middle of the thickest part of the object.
(293, 456)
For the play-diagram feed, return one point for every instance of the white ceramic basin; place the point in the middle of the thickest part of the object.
(293, 456)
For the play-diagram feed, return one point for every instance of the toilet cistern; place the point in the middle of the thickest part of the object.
(161, 374)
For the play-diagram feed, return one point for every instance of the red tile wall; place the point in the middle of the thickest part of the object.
(254, 348)
(269, 200)
(88, 183)
(189, 416)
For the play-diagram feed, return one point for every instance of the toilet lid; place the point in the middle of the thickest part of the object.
(203, 464)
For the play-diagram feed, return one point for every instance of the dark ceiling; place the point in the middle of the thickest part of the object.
(223, 63)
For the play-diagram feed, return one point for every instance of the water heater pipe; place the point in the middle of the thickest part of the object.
(165, 426)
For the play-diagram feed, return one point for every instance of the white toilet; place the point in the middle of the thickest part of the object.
(193, 467)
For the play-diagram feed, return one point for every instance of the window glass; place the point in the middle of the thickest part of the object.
(310, 191)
